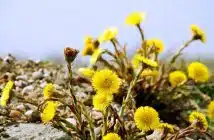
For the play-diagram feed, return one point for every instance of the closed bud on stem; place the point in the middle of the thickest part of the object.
(70, 54)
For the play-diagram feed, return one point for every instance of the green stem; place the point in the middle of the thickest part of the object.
(133, 83)
(105, 126)
(141, 32)
(180, 51)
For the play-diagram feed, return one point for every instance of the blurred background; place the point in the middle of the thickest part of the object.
(40, 29)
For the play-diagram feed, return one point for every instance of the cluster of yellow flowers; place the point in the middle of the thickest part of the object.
(199, 120)
(6, 93)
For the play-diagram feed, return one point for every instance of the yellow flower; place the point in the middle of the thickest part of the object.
(135, 61)
(210, 109)
(146, 118)
(6, 93)
(108, 35)
(111, 136)
(177, 78)
(199, 119)
(167, 127)
(87, 72)
(106, 81)
(135, 18)
(95, 56)
(89, 46)
(198, 72)
(101, 101)
(158, 45)
(48, 90)
(198, 33)
(149, 72)
(147, 61)
(49, 111)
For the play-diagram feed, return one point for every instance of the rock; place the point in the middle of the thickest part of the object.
(28, 89)
(97, 115)
(15, 114)
(97, 130)
(72, 121)
(81, 96)
(34, 131)
(29, 113)
(43, 84)
(37, 75)
(22, 77)
(20, 83)
(20, 107)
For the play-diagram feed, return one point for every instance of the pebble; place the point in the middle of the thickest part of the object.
(37, 75)
(29, 113)
(22, 77)
(20, 107)
(28, 89)
(72, 121)
(15, 114)
(20, 83)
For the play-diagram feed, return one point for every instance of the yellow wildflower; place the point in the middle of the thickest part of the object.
(198, 33)
(49, 111)
(210, 110)
(167, 127)
(6, 93)
(106, 81)
(146, 61)
(135, 18)
(146, 118)
(199, 119)
(111, 136)
(87, 72)
(101, 101)
(89, 46)
(158, 44)
(177, 78)
(48, 90)
(149, 72)
(198, 72)
(95, 56)
(108, 35)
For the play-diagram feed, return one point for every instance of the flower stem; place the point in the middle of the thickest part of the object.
(141, 32)
(105, 126)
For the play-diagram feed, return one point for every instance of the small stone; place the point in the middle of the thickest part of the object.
(22, 77)
(72, 121)
(28, 89)
(15, 114)
(43, 84)
(97, 130)
(37, 75)
(81, 96)
(96, 115)
(20, 83)
(29, 113)
(20, 107)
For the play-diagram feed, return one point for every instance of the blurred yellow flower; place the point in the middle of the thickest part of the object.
(135, 18)
(147, 61)
(198, 33)
(149, 43)
(199, 119)
(198, 72)
(158, 44)
(102, 100)
(48, 90)
(106, 81)
(210, 110)
(167, 127)
(49, 111)
(6, 93)
(87, 72)
(149, 72)
(177, 78)
(95, 56)
(111, 136)
(146, 118)
(89, 46)
(108, 34)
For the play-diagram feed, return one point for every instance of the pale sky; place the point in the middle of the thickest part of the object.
(35, 28)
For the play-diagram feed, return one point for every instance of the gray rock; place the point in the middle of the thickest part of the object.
(22, 77)
(37, 75)
(20, 107)
(34, 132)
(20, 83)
(27, 89)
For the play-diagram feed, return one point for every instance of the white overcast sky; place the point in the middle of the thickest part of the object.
(39, 27)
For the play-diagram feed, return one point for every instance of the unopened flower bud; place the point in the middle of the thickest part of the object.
(70, 54)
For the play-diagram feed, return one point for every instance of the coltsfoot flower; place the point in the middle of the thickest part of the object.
(111, 136)
(199, 119)
(135, 18)
(106, 81)
(149, 72)
(108, 34)
(87, 72)
(198, 72)
(198, 33)
(210, 110)
(70, 54)
(166, 127)
(96, 55)
(158, 44)
(6, 93)
(49, 111)
(101, 101)
(146, 118)
(177, 78)
(48, 90)
(137, 59)
(89, 46)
